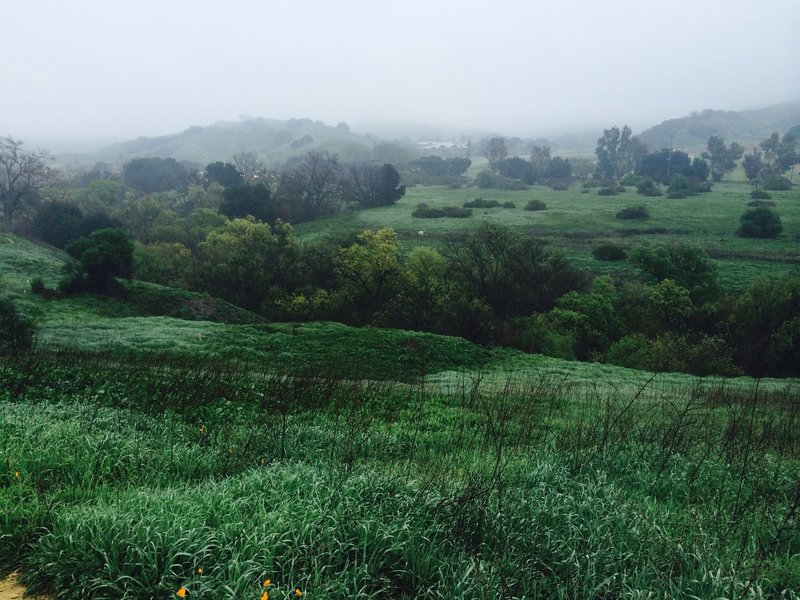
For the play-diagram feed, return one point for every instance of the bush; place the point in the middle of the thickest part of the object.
(536, 205)
(17, 332)
(481, 203)
(423, 211)
(99, 259)
(775, 182)
(760, 195)
(609, 252)
(559, 186)
(759, 222)
(611, 191)
(677, 195)
(647, 187)
(761, 203)
(486, 179)
(509, 204)
(631, 179)
(634, 212)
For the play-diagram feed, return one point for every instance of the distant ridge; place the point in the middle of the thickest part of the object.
(273, 139)
(748, 128)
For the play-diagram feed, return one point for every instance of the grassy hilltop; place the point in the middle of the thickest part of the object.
(162, 441)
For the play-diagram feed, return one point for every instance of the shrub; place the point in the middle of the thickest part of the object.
(423, 211)
(609, 252)
(536, 205)
(631, 179)
(607, 191)
(37, 286)
(486, 179)
(481, 203)
(99, 259)
(760, 195)
(761, 203)
(676, 195)
(647, 187)
(559, 186)
(634, 212)
(509, 204)
(775, 182)
(759, 222)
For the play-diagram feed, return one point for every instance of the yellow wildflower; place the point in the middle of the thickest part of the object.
(181, 593)
(16, 474)
(265, 595)
(267, 582)
(199, 570)
(297, 592)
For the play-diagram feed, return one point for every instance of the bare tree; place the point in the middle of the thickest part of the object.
(21, 177)
(251, 167)
(312, 189)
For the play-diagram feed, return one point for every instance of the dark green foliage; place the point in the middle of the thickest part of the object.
(753, 165)
(760, 195)
(634, 212)
(17, 331)
(423, 211)
(225, 174)
(609, 252)
(515, 168)
(533, 205)
(150, 175)
(249, 200)
(481, 203)
(685, 263)
(509, 204)
(375, 185)
(58, 222)
(765, 328)
(559, 169)
(99, 258)
(775, 182)
(609, 191)
(760, 222)
(486, 179)
(618, 152)
(648, 187)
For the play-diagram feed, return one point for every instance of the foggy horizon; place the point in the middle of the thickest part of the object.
(92, 71)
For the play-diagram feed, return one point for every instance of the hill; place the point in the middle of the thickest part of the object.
(274, 140)
(748, 128)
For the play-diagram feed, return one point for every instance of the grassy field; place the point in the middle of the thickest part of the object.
(579, 221)
(164, 441)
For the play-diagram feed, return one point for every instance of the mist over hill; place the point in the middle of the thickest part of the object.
(748, 128)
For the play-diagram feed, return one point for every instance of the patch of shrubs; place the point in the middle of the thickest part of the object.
(423, 211)
(17, 331)
(481, 203)
(559, 186)
(760, 195)
(609, 252)
(648, 187)
(509, 204)
(761, 203)
(775, 182)
(611, 190)
(634, 213)
(536, 205)
(759, 222)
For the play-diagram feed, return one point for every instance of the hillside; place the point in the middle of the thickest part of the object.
(274, 140)
(748, 128)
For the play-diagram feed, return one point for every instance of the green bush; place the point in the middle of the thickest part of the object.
(761, 203)
(759, 222)
(634, 213)
(775, 182)
(536, 205)
(509, 204)
(481, 203)
(760, 195)
(648, 187)
(423, 211)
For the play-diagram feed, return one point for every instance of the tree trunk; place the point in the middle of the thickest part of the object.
(8, 223)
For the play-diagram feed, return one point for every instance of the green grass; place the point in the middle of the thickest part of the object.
(578, 222)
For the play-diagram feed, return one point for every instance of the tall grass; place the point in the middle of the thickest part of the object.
(133, 476)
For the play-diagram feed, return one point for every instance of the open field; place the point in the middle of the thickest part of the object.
(579, 221)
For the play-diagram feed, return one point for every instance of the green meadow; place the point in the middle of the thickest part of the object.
(163, 443)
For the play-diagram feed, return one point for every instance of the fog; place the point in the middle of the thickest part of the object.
(92, 69)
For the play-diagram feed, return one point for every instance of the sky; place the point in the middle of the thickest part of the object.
(118, 69)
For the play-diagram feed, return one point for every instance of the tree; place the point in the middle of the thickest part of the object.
(249, 199)
(722, 158)
(22, 175)
(618, 152)
(781, 153)
(495, 151)
(540, 161)
(252, 168)
(99, 258)
(58, 222)
(514, 275)
(759, 222)
(559, 168)
(687, 264)
(753, 165)
(313, 189)
(225, 174)
(515, 168)
(373, 185)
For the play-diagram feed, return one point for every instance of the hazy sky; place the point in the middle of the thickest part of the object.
(124, 68)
